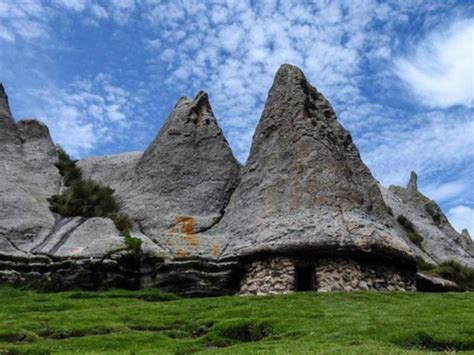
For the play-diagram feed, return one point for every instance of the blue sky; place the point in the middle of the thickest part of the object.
(105, 74)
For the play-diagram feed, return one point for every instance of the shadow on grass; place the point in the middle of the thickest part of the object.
(424, 341)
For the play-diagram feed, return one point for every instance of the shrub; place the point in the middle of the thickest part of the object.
(457, 273)
(68, 168)
(121, 221)
(133, 244)
(423, 265)
(85, 198)
(88, 198)
(410, 231)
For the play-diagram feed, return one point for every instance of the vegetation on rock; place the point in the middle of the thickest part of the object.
(411, 232)
(88, 198)
(450, 270)
(149, 322)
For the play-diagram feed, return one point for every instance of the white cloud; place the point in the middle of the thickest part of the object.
(6, 34)
(446, 191)
(428, 143)
(167, 55)
(86, 114)
(441, 71)
(99, 12)
(236, 53)
(75, 5)
(462, 217)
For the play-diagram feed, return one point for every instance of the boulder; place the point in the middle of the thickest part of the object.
(431, 283)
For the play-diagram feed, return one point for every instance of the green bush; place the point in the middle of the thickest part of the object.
(423, 265)
(85, 198)
(68, 168)
(133, 244)
(88, 198)
(410, 231)
(457, 273)
(121, 221)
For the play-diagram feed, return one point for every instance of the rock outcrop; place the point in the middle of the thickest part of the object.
(304, 188)
(439, 241)
(305, 213)
(27, 178)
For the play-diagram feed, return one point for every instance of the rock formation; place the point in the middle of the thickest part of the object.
(304, 213)
(440, 241)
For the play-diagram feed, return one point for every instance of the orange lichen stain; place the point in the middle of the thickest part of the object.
(216, 250)
(185, 225)
(191, 240)
(181, 253)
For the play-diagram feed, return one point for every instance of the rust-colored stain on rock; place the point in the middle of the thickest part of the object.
(181, 253)
(216, 250)
(184, 225)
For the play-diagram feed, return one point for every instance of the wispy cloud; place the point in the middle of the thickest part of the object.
(88, 114)
(428, 143)
(440, 71)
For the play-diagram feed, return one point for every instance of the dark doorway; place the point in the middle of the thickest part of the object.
(305, 278)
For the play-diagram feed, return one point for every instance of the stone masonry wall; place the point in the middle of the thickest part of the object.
(278, 275)
(348, 275)
(267, 277)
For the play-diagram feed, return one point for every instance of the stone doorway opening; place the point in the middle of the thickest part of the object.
(304, 278)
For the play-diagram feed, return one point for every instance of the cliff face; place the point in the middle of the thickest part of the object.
(209, 226)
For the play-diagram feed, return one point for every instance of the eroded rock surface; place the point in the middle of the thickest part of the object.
(440, 242)
(27, 178)
(305, 204)
(305, 188)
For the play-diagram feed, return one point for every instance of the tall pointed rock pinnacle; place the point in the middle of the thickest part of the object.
(306, 181)
(5, 112)
(9, 135)
(412, 184)
(188, 169)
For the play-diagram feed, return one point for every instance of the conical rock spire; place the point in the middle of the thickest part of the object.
(4, 106)
(305, 187)
(186, 176)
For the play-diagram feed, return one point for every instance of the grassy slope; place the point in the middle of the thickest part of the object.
(147, 322)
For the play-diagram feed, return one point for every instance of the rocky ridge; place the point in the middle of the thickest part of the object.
(206, 223)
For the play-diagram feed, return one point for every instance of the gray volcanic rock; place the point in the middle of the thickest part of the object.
(93, 237)
(440, 242)
(40, 154)
(305, 188)
(8, 130)
(430, 283)
(466, 240)
(113, 170)
(180, 186)
(26, 147)
(188, 170)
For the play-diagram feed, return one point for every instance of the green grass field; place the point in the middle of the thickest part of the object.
(148, 322)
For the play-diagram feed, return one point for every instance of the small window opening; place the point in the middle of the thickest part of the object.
(305, 278)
